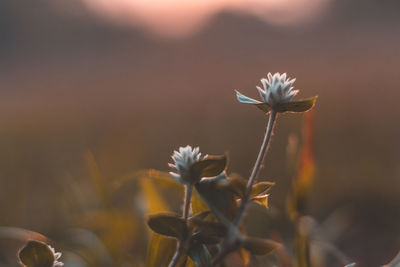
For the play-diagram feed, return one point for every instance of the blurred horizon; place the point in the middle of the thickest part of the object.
(178, 18)
(72, 81)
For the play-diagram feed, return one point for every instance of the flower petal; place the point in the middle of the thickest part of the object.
(266, 83)
(261, 92)
(246, 100)
(176, 176)
(171, 165)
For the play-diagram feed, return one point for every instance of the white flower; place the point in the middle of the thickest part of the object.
(277, 89)
(183, 159)
(57, 255)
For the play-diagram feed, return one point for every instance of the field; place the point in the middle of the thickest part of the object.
(91, 110)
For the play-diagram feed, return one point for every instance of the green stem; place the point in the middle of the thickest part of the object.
(180, 248)
(256, 168)
(177, 255)
(186, 203)
(231, 242)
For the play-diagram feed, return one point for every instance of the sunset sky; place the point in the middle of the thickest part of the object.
(177, 18)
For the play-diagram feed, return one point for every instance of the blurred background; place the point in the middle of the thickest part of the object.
(120, 84)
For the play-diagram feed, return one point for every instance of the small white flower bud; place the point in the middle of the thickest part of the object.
(183, 159)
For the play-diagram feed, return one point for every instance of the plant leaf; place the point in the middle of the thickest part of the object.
(209, 167)
(297, 106)
(244, 255)
(261, 200)
(237, 184)
(199, 254)
(155, 182)
(261, 188)
(160, 250)
(260, 246)
(151, 192)
(245, 99)
(217, 195)
(264, 107)
(205, 239)
(201, 215)
(208, 232)
(168, 224)
(36, 254)
(20, 234)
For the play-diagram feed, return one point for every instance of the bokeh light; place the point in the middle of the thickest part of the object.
(179, 17)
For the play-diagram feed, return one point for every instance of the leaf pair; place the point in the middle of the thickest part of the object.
(172, 225)
(259, 191)
(221, 194)
(207, 232)
(168, 224)
(292, 106)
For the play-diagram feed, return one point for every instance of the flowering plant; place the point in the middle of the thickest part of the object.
(38, 254)
(277, 94)
(224, 198)
(207, 229)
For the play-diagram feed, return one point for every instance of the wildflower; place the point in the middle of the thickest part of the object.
(39, 254)
(277, 94)
(56, 255)
(183, 160)
(190, 166)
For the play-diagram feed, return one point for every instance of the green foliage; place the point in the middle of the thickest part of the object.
(205, 236)
(214, 205)
(259, 193)
(160, 250)
(261, 188)
(171, 225)
(237, 184)
(219, 197)
(208, 232)
(208, 167)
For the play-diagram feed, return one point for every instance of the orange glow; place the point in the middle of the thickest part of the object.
(176, 18)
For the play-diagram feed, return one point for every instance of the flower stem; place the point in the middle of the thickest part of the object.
(231, 243)
(180, 248)
(256, 168)
(177, 255)
(186, 203)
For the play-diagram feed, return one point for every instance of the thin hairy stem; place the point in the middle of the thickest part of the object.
(180, 248)
(177, 255)
(231, 242)
(186, 203)
(256, 168)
